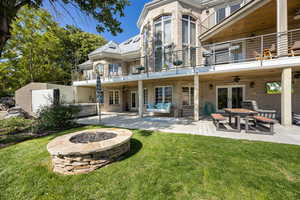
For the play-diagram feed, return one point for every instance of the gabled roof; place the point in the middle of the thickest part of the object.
(113, 49)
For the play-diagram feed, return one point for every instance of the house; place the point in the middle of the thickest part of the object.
(200, 55)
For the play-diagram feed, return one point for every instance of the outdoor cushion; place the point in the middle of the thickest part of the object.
(150, 106)
(166, 106)
(159, 106)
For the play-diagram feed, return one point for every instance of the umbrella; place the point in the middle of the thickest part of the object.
(98, 94)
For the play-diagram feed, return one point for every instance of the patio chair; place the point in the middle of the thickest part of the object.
(295, 48)
(252, 105)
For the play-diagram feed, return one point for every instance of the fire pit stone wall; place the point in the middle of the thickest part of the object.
(76, 158)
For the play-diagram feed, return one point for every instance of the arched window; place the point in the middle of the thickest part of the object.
(163, 39)
(189, 40)
(100, 68)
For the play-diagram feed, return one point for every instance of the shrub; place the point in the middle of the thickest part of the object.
(56, 117)
(15, 124)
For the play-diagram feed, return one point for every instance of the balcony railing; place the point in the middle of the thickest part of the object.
(263, 47)
(211, 20)
(257, 48)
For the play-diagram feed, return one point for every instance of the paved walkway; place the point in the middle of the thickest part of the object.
(284, 135)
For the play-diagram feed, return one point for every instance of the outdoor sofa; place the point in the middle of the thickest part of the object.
(159, 108)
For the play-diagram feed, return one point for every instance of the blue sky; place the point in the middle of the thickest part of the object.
(70, 15)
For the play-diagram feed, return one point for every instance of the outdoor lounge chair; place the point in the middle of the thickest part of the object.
(159, 108)
(252, 105)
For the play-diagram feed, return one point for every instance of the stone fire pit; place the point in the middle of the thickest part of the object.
(87, 150)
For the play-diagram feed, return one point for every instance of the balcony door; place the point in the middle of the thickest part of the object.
(229, 96)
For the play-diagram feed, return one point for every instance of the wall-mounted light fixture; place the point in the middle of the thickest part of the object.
(211, 86)
(236, 79)
(252, 84)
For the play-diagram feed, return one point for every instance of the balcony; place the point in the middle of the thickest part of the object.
(257, 48)
(244, 53)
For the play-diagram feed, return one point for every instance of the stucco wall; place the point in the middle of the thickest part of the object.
(66, 92)
(85, 94)
(207, 94)
(23, 95)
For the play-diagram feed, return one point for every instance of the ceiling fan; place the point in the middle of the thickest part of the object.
(297, 16)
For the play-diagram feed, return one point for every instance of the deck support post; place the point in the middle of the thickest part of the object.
(286, 97)
(282, 28)
(196, 97)
(141, 97)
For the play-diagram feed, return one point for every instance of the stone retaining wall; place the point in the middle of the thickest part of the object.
(77, 164)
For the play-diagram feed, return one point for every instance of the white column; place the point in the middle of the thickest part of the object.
(141, 97)
(286, 97)
(196, 97)
(282, 28)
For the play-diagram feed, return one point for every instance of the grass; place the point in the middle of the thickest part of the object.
(159, 166)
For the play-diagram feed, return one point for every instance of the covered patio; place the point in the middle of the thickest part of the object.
(286, 135)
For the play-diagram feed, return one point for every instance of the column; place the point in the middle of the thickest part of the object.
(196, 97)
(286, 97)
(141, 97)
(282, 28)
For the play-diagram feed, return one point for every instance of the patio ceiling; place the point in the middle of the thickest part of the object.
(259, 18)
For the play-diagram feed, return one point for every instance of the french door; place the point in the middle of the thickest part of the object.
(230, 96)
(133, 97)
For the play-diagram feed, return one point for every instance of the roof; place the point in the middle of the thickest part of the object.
(114, 49)
(156, 3)
(86, 64)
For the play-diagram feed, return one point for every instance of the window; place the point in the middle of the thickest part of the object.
(226, 10)
(100, 68)
(163, 94)
(234, 7)
(189, 40)
(113, 68)
(163, 39)
(221, 14)
(145, 96)
(188, 96)
(114, 97)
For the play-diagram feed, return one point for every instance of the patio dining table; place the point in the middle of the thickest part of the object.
(239, 113)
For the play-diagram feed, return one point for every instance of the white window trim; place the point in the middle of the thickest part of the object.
(114, 97)
(163, 46)
(163, 94)
(229, 87)
(227, 8)
(189, 45)
(190, 99)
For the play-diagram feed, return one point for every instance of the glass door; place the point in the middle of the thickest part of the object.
(230, 97)
(222, 98)
(236, 97)
(133, 99)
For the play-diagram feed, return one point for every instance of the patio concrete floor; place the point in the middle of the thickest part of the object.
(290, 135)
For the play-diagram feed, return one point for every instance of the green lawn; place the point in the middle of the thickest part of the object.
(159, 166)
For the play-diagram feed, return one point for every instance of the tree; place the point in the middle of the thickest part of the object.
(104, 11)
(41, 51)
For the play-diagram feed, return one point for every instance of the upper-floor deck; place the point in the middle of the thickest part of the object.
(246, 39)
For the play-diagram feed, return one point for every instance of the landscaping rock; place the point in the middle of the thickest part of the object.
(15, 112)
